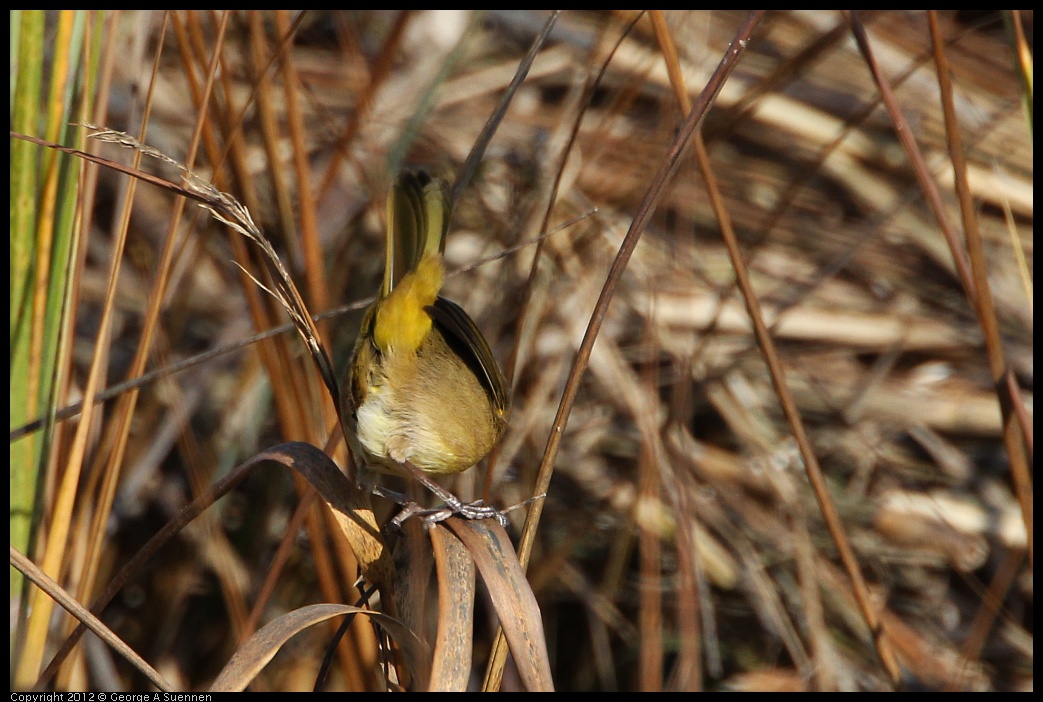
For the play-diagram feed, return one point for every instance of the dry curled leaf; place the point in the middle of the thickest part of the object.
(260, 648)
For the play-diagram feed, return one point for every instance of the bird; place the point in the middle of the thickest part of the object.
(422, 394)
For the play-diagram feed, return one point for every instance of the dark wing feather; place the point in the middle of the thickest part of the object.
(462, 334)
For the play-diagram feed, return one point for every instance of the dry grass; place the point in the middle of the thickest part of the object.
(681, 545)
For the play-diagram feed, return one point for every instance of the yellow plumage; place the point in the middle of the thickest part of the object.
(402, 321)
(422, 384)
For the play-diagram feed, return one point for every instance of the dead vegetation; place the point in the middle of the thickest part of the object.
(681, 545)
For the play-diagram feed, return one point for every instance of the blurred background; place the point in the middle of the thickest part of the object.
(681, 546)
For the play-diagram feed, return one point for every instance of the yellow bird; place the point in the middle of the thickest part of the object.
(422, 386)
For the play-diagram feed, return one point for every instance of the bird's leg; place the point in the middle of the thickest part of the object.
(453, 504)
(399, 498)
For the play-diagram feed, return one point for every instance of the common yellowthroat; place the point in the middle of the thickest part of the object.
(422, 386)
